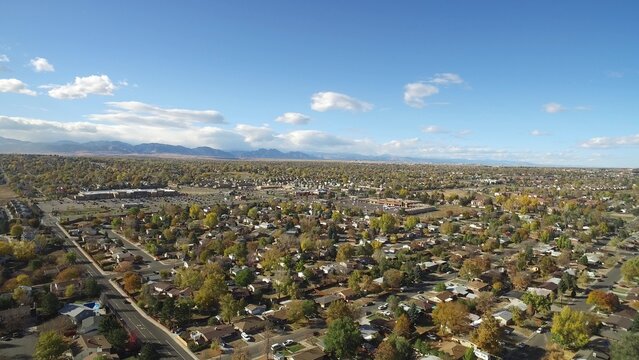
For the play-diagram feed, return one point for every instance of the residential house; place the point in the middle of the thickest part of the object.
(208, 334)
(250, 325)
(255, 309)
(325, 301)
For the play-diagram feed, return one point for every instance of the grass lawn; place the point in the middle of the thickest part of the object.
(293, 349)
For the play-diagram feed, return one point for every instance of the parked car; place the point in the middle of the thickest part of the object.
(246, 337)
(289, 342)
(276, 347)
(384, 306)
(540, 330)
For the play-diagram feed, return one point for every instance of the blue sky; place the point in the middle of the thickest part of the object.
(546, 82)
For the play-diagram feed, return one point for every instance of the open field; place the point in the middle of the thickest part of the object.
(6, 194)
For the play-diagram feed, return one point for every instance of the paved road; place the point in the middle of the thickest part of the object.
(146, 331)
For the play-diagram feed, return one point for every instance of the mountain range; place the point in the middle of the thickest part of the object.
(119, 148)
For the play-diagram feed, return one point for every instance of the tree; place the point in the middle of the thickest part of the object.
(343, 338)
(487, 336)
(402, 326)
(394, 348)
(440, 287)
(393, 278)
(470, 354)
(70, 257)
(210, 220)
(16, 231)
(49, 304)
(571, 328)
(91, 287)
(536, 303)
(132, 282)
(23, 250)
(411, 222)
(340, 309)
(195, 211)
(211, 290)
(69, 291)
(387, 223)
(604, 301)
(345, 252)
(473, 267)
(244, 277)
(229, 307)
(452, 317)
(518, 315)
(630, 269)
(50, 346)
(148, 352)
(70, 273)
(626, 348)
(299, 310)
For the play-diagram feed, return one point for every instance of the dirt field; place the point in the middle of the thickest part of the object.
(6, 194)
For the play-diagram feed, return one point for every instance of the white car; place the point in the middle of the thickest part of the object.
(246, 337)
(288, 342)
(277, 346)
(384, 306)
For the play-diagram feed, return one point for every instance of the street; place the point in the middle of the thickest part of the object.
(143, 328)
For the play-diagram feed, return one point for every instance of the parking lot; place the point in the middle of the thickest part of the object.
(18, 348)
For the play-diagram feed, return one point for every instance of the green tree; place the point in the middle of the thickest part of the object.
(536, 303)
(411, 222)
(630, 269)
(244, 277)
(50, 346)
(387, 223)
(148, 352)
(343, 338)
(49, 304)
(91, 287)
(571, 328)
(210, 220)
(16, 231)
(626, 348)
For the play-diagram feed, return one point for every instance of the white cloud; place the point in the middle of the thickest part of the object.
(82, 87)
(255, 135)
(608, 142)
(446, 79)
(141, 113)
(553, 108)
(433, 129)
(41, 65)
(328, 100)
(538, 133)
(15, 86)
(415, 93)
(293, 118)
(315, 139)
(4, 58)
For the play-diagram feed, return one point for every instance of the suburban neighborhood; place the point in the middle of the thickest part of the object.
(488, 263)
